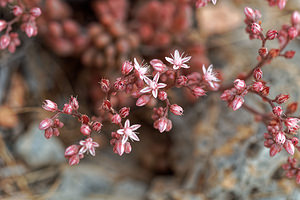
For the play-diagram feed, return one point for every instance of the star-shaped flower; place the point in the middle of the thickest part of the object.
(128, 131)
(209, 76)
(178, 61)
(88, 145)
(140, 70)
(153, 85)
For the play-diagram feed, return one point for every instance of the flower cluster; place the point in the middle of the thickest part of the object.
(280, 3)
(281, 126)
(136, 82)
(27, 17)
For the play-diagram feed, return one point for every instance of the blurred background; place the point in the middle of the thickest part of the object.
(211, 152)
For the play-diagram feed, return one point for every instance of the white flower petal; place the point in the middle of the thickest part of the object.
(156, 77)
(135, 127)
(161, 85)
(154, 93)
(170, 60)
(127, 123)
(145, 90)
(134, 137)
(120, 131)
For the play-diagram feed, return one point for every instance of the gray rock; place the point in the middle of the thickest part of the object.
(36, 150)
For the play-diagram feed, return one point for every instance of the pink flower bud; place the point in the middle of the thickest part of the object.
(56, 132)
(158, 65)
(281, 98)
(292, 124)
(277, 110)
(119, 148)
(85, 119)
(48, 133)
(106, 105)
(239, 84)
(280, 138)
(162, 95)
(74, 160)
(85, 129)
(250, 14)
(161, 124)
(258, 86)
(36, 12)
(71, 150)
(268, 143)
(227, 95)
(295, 141)
(104, 84)
(293, 33)
(181, 80)
(256, 28)
(97, 126)
(116, 119)
(275, 148)
(17, 10)
(68, 109)
(176, 109)
(281, 4)
(58, 123)
(127, 147)
(237, 102)
(3, 24)
(74, 103)
(263, 51)
(4, 41)
(124, 112)
(169, 125)
(289, 54)
(289, 147)
(257, 74)
(295, 18)
(126, 68)
(49, 106)
(45, 124)
(143, 100)
(30, 29)
(271, 34)
(119, 84)
(198, 91)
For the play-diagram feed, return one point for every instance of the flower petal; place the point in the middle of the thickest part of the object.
(145, 90)
(120, 131)
(134, 137)
(154, 93)
(170, 60)
(161, 85)
(127, 123)
(156, 77)
(135, 127)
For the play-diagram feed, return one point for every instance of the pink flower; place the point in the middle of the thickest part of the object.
(209, 76)
(143, 100)
(49, 106)
(128, 131)
(126, 68)
(153, 85)
(239, 84)
(237, 102)
(88, 145)
(140, 70)
(45, 124)
(178, 60)
(280, 138)
(292, 124)
(85, 129)
(176, 109)
(289, 147)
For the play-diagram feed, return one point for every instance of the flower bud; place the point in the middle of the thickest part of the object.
(271, 34)
(289, 54)
(181, 80)
(295, 19)
(74, 103)
(97, 126)
(239, 84)
(71, 150)
(49, 106)
(74, 160)
(293, 33)
(56, 132)
(35, 12)
(48, 133)
(30, 29)
(292, 107)
(127, 147)
(281, 4)
(280, 138)
(104, 84)
(68, 109)
(124, 112)
(162, 95)
(85, 129)
(4, 41)
(263, 51)
(237, 102)
(289, 147)
(106, 105)
(158, 65)
(161, 124)
(176, 109)
(258, 86)
(295, 141)
(17, 10)
(119, 84)
(45, 124)
(143, 100)
(257, 74)
(275, 148)
(256, 28)
(198, 91)
(126, 68)
(281, 98)
(277, 110)
(3, 24)
(250, 14)
(227, 95)
(116, 119)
